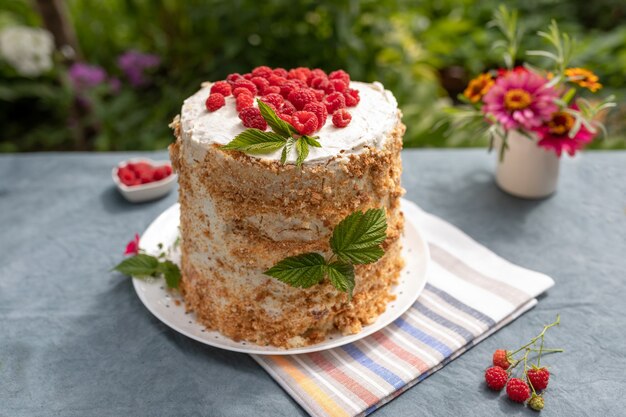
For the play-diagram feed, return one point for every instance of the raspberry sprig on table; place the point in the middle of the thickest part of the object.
(295, 96)
(531, 384)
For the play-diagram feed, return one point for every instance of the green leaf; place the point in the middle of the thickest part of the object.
(302, 148)
(357, 238)
(277, 124)
(140, 265)
(288, 145)
(341, 275)
(312, 141)
(255, 141)
(301, 271)
(170, 272)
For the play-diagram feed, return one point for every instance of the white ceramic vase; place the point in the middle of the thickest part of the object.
(527, 170)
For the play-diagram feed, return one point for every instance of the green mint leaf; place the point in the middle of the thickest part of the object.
(139, 266)
(341, 275)
(301, 271)
(312, 141)
(302, 148)
(277, 124)
(357, 238)
(170, 272)
(288, 146)
(256, 141)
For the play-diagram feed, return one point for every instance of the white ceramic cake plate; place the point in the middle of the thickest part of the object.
(169, 306)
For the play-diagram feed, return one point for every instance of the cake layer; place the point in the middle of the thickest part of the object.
(242, 214)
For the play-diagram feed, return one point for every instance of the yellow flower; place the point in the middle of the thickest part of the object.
(584, 78)
(478, 87)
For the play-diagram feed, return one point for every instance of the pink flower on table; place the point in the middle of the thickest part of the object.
(133, 246)
(520, 100)
(554, 134)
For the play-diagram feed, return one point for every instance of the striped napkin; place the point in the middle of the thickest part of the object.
(470, 294)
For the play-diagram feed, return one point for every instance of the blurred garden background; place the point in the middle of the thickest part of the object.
(131, 63)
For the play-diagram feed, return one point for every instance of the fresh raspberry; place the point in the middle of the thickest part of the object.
(244, 101)
(536, 402)
(251, 117)
(271, 89)
(299, 98)
(126, 176)
(288, 87)
(138, 167)
(241, 90)
(214, 102)
(288, 108)
(231, 78)
(501, 359)
(247, 76)
(319, 95)
(221, 87)
(276, 99)
(276, 80)
(315, 73)
(517, 390)
(160, 173)
(329, 89)
(168, 170)
(496, 378)
(299, 73)
(247, 84)
(334, 101)
(342, 118)
(281, 72)
(340, 75)
(538, 378)
(319, 83)
(286, 117)
(146, 176)
(262, 71)
(352, 97)
(338, 85)
(319, 110)
(305, 122)
(260, 83)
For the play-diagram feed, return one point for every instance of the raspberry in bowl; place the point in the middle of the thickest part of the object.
(141, 179)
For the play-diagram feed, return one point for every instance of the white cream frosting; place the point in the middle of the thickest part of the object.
(372, 119)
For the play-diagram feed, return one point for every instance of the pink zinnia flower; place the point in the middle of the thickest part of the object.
(520, 100)
(554, 134)
(133, 246)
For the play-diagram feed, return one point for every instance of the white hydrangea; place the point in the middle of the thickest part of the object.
(28, 50)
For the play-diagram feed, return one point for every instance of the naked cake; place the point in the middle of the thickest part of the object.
(242, 212)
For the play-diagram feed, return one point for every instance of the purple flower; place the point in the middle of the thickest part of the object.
(85, 76)
(134, 64)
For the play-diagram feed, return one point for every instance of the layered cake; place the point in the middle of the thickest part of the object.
(243, 212)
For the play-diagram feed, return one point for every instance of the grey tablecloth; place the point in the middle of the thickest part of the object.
(76, 341)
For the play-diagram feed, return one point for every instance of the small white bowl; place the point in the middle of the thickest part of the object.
(144, 192)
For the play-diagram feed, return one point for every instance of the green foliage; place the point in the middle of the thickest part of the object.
(425, 52)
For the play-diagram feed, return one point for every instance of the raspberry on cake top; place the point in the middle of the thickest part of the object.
(345, 116)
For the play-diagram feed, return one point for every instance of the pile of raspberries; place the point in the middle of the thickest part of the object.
(301, 96)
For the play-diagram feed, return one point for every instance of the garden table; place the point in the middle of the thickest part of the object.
(76, 341)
